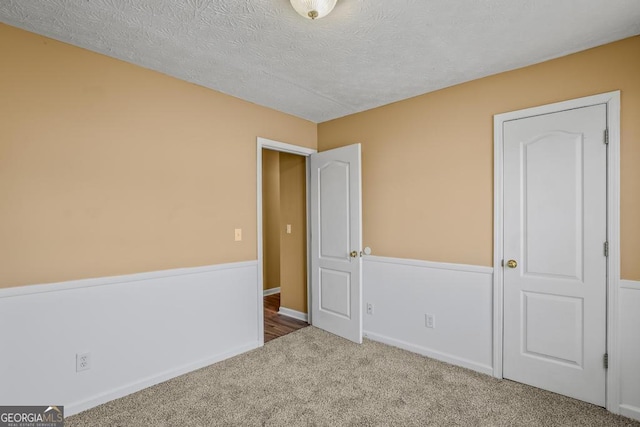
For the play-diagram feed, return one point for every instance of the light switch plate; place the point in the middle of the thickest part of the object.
(238, 234)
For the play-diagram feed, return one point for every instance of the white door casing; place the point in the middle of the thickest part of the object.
(336, 241)
(555, 228)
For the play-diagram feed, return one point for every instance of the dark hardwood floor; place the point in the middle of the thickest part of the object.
(277, 325)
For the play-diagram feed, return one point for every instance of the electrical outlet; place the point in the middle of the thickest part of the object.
(430, 321)
(83, 361)
(370, 308)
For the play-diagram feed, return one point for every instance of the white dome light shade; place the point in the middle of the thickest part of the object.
(313, 9)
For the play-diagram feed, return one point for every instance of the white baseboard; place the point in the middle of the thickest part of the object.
(293, 313)
(94, 401)
(630, 411)
(443, 357)
(271, 291)
(171, 309)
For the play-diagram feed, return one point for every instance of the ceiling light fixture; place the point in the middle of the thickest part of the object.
(313, 9)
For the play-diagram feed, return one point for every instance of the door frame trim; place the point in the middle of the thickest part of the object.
(612, 100)
(264, 143)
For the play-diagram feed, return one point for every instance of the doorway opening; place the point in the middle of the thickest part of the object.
(333, 262)
(283, 278)
(284, 225)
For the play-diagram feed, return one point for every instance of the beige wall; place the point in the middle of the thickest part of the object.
(270, 219)
(293, 247)
(107, 168)
(428, 161)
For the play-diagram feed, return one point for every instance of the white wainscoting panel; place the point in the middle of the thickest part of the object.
(629, 338)
(459, 296)
(140, 329)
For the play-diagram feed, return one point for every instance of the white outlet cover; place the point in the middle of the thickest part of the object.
(83, 362)
(430, 321)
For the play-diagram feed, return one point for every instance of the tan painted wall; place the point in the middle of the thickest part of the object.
(270, 219)
(428, 161)
(107, 168)
(293, 247)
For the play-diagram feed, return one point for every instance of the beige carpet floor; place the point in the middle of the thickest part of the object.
(312, 378)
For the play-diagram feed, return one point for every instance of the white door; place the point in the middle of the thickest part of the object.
(555, 223)
(336, 240)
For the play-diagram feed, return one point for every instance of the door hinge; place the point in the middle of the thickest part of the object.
(605, 360)
(606, 248)
(606, 136)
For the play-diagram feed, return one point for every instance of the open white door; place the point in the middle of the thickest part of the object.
(336, 241)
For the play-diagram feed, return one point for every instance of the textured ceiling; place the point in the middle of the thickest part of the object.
(366, 53)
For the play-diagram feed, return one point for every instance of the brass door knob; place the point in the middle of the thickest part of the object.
(512, 263)
(354, 254)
